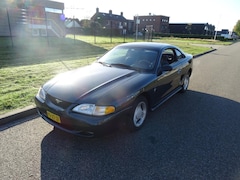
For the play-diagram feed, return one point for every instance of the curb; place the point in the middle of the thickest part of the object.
(32, 110)
(18, 114)
(198, 55)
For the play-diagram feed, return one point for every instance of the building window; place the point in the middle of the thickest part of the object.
(164, 20)
(52, 10)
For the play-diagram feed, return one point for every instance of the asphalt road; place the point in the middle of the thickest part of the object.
(195, 135)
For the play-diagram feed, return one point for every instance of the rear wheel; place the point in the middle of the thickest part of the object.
(138, 114)
(185, 82)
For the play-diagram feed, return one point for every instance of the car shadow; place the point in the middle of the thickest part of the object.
(192, 136)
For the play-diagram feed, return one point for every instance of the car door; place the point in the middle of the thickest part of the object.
(166, 80)
(182, 63)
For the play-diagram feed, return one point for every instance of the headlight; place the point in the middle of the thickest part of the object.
(92, 109)
(41, 95)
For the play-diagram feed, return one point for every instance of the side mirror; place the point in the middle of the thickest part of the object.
(164, 68)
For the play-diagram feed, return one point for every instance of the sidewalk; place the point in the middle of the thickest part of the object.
(31, 110)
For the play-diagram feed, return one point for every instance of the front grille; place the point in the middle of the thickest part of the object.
(58, 102)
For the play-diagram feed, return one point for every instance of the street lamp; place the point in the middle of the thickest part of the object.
(137, 23)
(215, 35)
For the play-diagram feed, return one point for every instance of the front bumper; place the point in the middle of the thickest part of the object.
(79, 124)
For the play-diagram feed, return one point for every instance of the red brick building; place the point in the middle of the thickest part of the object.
(156, 23)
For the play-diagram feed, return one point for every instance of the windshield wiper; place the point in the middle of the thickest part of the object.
(104, 64)
(122, 66)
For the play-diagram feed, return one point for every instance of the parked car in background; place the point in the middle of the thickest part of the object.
(120, 87)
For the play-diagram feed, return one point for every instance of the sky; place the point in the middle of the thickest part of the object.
(223, 14)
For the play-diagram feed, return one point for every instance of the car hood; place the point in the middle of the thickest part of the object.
(95, 79)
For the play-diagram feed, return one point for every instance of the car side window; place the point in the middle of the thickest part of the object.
(179, 55)
(168, 57)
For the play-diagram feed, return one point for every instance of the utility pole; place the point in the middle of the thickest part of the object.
(74, 29)
(137, 23)
(9, 25)
(46, 22)
(215, 35)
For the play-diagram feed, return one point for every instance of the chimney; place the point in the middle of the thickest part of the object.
(121, 13)
(97, 10)
(110, 12)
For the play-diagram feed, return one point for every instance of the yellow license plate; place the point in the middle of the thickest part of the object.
(53, 117)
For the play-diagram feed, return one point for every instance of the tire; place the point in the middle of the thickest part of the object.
(185, 82)
(138, 114)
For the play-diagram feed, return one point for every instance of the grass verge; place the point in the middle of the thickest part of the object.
(20, 84)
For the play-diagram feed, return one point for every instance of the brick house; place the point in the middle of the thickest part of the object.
(156, 23)
(118, 24)
(35, 17)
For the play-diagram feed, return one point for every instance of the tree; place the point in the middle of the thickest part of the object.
(237, 28)
(95, 26)
(85, 23)
(189, 28)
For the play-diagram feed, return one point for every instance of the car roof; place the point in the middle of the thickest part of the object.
(153, 45)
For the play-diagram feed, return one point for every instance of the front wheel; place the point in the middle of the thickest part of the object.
(185, 82)
(138, 114)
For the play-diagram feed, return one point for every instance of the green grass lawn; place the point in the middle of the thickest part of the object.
(32, 61)
(19, 84)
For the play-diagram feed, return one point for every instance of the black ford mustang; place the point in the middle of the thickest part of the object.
(121, 86)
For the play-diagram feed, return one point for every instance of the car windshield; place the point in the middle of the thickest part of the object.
(131, 57)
